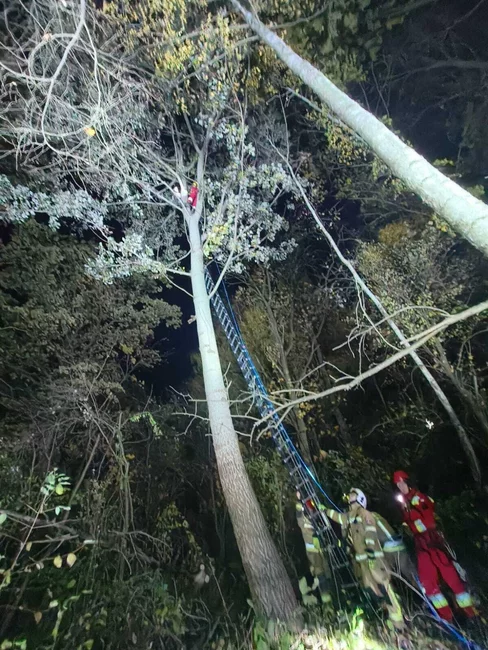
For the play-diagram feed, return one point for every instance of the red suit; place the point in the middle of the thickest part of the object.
(193, 195)
(433, 557)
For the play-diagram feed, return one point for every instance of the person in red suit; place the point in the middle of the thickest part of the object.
(433, 556)
(193, 195)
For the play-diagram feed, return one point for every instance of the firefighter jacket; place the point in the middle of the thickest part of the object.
(317, 561)
(359, 526)
(419, 512)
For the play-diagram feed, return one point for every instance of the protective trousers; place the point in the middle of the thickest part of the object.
(375, 577)
(319, 566)
(434, 561)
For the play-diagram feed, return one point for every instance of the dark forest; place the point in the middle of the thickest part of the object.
(243, 325)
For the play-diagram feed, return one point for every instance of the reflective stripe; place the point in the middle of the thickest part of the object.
(355, 520)
(420, 526)
(384, 529)
(311, 548)
(439, 601)
(369, 542)
(361, 556)
(415, 501)
(371, 529)
(307, 524)
(393, 546)
(379, 554)
(464, 599)
(299, 507)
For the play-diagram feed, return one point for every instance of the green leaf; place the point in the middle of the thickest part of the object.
(3, 518)
(58, 561)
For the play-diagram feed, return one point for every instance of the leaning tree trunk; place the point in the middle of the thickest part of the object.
(269, 583)
(466, 214)
(345, 437)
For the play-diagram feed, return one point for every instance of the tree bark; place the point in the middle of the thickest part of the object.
(345, 437)
(269, 583)
(466, 214)
(298, 422)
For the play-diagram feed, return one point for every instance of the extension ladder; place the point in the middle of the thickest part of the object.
(301, 475)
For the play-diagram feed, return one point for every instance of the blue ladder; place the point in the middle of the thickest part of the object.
(301, 475)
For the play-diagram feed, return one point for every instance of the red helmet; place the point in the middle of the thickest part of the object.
(400, 475)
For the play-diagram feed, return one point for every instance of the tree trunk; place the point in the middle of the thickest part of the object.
(345, 437)
(298, 422)
(466, 214)
(441, 396)
(302, 435)
(269, 583)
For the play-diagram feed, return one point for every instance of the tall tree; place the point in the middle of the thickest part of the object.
(137, 142)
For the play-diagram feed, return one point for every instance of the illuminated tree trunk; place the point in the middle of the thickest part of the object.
(269, 583)
(466, 214)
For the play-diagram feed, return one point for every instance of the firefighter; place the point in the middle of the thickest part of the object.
(319, 566)
(360, 528)
(433, 555)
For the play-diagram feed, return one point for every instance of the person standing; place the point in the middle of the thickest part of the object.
(318, 563)
(434, 558)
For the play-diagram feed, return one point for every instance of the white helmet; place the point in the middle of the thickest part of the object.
(360, 497)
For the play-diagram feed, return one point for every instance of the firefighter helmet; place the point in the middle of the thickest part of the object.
(360, 497)
(400, 475)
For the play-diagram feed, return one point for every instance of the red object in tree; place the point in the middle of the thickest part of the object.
(193, 195)
(310, 506)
